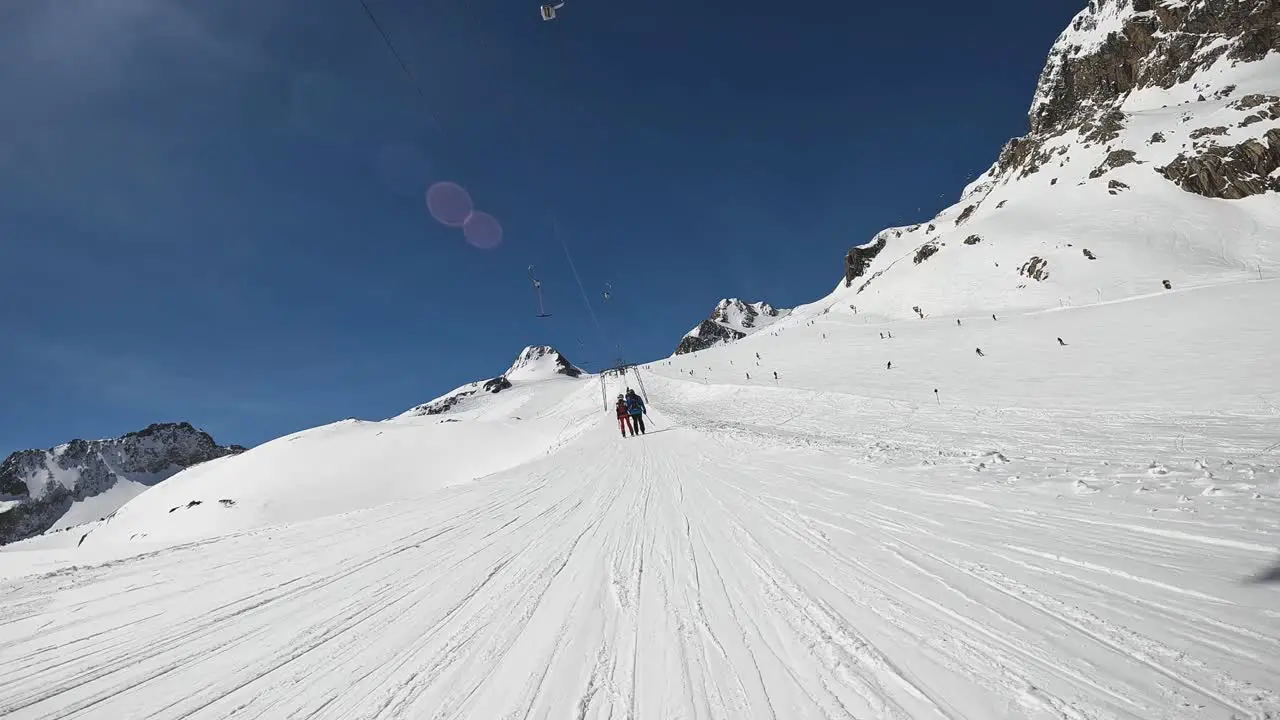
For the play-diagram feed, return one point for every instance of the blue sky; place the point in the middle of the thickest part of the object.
(214, 211)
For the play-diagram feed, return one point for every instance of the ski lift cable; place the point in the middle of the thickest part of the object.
(573, 267)
(422, 95)
(531, 168)
(537, 290)
(404, 66)
(417, 86)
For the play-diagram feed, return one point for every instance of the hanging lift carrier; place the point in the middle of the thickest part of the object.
(537, 289)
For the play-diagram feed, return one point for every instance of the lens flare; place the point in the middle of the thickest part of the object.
(483, 231)
(449, 204)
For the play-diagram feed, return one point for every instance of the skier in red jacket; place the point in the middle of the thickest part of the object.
(624, 417)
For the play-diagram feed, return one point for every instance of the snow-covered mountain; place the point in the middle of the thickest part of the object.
(1153, 155)
(889, 504)
(82, 481)
(732, 320)
(534, 364)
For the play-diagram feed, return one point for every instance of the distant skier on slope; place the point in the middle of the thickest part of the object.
(624, 417)
(637, 410)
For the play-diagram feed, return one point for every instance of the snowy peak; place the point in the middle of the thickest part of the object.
(1117, 47)
(1122, 60)
(535, 363)
(39, 487)
(1153, 143)
(731, 320)
(744, 317)
(540, 362)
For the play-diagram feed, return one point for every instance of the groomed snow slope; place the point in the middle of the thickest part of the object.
(1065, 532)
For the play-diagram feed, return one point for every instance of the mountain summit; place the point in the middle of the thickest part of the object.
(536, 363)
(1152, 157)
(539, 362)
(732, 320)
(85, 480)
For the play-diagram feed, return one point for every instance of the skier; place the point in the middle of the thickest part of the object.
(624, 418)
(637, 410)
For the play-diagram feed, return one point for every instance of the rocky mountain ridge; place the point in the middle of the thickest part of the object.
(732, 319)
(1117, 48)
(39, 487)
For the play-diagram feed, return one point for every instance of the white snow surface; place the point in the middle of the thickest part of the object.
(1059, 532)
(101, 505)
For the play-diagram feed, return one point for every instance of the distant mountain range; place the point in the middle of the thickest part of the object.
(84, 480)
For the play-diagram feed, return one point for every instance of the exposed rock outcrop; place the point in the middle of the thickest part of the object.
(859, 258)
(1231, 172)
(1037, 268)
(497, 385)
(1117, 158)
(924, 252)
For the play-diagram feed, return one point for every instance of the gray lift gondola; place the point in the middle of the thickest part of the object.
(549, 11)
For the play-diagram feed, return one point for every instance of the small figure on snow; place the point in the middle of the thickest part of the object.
(624, 417)
(957, 322)
(980, 353)
(637, 411)
(1061, 343)
(993, 317)
(888, 365)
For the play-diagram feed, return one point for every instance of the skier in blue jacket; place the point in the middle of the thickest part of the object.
(637, 410)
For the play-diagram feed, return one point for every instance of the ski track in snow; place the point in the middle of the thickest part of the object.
(763, 553)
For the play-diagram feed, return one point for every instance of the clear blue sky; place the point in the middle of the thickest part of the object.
(214, 211)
